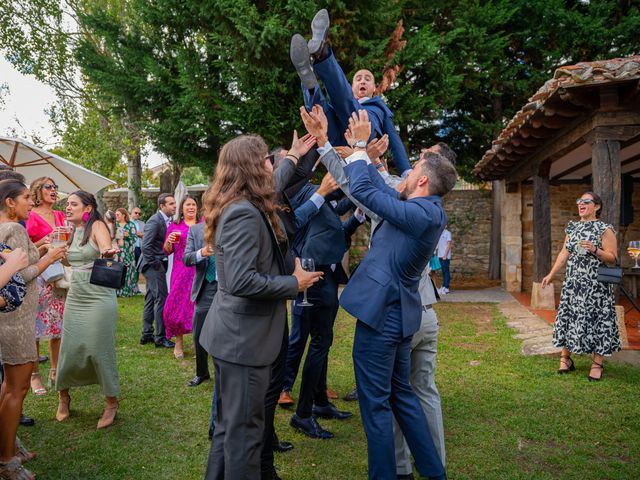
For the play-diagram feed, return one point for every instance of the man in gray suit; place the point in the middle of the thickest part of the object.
(244, 329)
(203, 289)
(153, 265)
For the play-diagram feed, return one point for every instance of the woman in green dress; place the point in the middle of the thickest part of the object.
(88, 351)
(126, 237)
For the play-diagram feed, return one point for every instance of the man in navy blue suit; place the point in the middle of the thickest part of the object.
(383, 295)
(345, 98)
(325, 238)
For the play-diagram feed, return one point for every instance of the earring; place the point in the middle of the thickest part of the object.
(85, 217)
(12, 213)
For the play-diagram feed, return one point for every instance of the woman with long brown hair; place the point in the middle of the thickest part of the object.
(17, 328)
(245, 328)
(42, 221)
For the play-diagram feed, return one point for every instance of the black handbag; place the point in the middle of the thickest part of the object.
(108, 273)
(607, 274)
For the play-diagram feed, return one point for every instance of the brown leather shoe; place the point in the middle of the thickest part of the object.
(332, 395)
(285, 399)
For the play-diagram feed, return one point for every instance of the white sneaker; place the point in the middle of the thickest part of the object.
(441, 291)
(445, 290)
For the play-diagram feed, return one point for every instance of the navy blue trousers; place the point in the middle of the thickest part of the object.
(382, 362)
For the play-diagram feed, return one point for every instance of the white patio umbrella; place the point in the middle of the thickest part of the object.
(34, 162)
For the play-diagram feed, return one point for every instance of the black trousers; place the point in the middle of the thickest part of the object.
(318, 321)
(154, 303)
(203, 302)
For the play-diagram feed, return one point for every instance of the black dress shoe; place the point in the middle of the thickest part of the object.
(299, 54)
(310, 427)
(330, 412)
(408, 476)
(145, 340)
(318, 47)
(164, 343)
(352, 396)
(27, 421)
(282, 447)
(195, 381)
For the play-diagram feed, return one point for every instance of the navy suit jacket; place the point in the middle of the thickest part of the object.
(342, 103)
(401, 247)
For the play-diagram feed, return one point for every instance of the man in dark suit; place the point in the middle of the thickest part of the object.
(323, 237)
(153, 265)
(203, 289)
(245, 326)
(383, 295)
(345, 98)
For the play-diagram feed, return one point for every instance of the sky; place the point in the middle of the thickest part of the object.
(23, 109)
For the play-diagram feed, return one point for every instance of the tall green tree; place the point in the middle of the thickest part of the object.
(39, 37)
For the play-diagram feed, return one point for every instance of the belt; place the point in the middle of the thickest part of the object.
(426, 307)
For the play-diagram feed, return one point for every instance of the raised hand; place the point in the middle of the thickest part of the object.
(344, 152)
(328, 185)
(300, 146)
(316, 123)
(359, 127)
(378, 146)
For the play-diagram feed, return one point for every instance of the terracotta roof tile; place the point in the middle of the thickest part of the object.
(581, 74)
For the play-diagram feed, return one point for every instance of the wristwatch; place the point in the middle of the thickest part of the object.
(359, 144)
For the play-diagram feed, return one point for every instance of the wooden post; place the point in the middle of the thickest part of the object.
(496, 232)
(606, 178)
(542, 298)
(541, 225)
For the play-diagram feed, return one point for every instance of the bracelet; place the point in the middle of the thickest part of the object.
(379, 166)
(292, 155)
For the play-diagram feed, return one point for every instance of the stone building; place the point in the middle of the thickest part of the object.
(579, 132)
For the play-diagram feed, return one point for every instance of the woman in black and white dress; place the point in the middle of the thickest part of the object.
(586, 321)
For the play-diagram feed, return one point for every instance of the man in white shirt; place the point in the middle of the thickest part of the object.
(444, 255)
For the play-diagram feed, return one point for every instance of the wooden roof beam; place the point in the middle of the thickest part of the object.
(568, 139)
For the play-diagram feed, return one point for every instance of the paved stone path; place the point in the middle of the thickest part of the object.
(535, 333)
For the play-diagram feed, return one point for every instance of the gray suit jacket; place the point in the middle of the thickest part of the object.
(153, 255)
(195, 241)
(245, 324)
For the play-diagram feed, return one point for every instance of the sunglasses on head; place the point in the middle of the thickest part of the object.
(50, 186)
(584, 201)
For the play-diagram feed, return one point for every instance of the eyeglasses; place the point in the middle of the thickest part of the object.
(50, 186)
(584, 201)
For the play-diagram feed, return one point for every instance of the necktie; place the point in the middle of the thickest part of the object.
(211, 270)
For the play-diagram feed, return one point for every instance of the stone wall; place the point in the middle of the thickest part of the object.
(563, 209)
(469, 213)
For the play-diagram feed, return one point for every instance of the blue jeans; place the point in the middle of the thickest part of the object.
(446, 276)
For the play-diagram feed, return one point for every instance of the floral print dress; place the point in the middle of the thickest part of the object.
(586, 321)
(127, 256)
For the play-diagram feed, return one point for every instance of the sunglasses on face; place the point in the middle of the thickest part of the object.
(50, 186)
(584, 201)
(271, 158)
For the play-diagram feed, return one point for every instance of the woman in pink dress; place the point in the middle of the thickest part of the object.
(178, 308)
(41, 223)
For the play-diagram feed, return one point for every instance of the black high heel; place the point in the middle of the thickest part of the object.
(595, 364)
(570, 368)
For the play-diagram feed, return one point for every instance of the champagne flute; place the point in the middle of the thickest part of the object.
(309, 265)
(634, 250)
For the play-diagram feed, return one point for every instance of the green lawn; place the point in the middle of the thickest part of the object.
(506, 416)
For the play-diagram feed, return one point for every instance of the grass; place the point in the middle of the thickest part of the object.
(506, 416)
